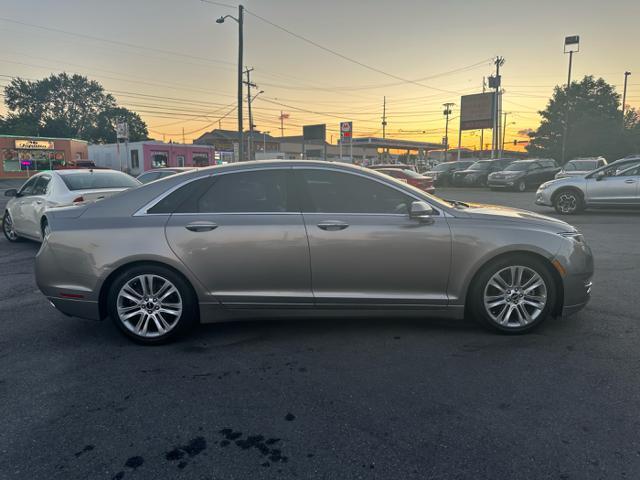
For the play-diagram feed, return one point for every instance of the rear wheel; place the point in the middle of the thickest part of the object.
(521, 186)
(152, 304)
(513, 295)
(568, 202)
(8, 229)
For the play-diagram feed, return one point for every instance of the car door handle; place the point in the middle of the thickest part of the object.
(38, 202)
(201, 226)
(332, 226)
(630, 180)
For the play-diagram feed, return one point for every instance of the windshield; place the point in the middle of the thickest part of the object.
(581, 165)
(480, 166)
(94, 180)
(518, 167)
(412, 174)
(443, 167)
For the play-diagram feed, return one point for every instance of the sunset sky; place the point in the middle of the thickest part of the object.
(169, 61)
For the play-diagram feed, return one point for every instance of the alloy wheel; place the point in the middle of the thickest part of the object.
(9, 230)
(515, 296)
(567, 203)
(149, 306)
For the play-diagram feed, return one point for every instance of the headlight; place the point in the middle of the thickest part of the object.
(575, 236)
(544, 185)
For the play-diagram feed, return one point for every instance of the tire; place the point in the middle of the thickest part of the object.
(513, 310)
(568, 202)
(7, 228)
(155, 320)
(44, 228)
(522, 186)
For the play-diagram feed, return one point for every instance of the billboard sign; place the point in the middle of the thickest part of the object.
(476, 111)
(346, 130)
(314, 132)
(122, 131)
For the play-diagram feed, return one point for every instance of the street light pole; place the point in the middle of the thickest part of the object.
(573, 42)
(624, 95)
(240, 21)
(447, 111)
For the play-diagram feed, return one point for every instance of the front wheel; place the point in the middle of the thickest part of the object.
(522, 186)
(513, 295)
(9, 229)
(152, 304)
(568, 202)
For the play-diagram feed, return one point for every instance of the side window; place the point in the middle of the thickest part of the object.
(336, 192)
(535, 166)
(628, 173)
(262, 191)
(41, 185)
(27, 188)
(149, 177)
(177, 200)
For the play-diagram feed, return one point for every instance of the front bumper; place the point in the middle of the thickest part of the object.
(543, 197)
(502, 182)
(576, 260)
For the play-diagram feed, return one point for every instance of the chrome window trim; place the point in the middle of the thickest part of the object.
(143, 211)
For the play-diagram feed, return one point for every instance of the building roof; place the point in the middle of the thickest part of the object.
(394, 143)
(232, 135)
(31, 137)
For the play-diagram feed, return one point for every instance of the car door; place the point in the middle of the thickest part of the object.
(243, 236)
(33, 211)
(365, 250)
(23, 205)
(620, 189)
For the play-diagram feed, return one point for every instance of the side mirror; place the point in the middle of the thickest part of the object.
(599, 176)
(12, 192)
(422, 211)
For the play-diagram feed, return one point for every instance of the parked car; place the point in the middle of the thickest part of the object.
(403, 166)
(442, 174)
(25, 213)
(293, 237)
(523, 174)
(614, 185)
(158, 173)
(477, 173)
(581, 166)
(412, 178)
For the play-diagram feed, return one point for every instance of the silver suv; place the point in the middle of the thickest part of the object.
(614, 185)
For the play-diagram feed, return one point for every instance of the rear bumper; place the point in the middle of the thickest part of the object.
(76, 308)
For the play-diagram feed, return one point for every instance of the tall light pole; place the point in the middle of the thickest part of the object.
(240, 21)
(447, 111)
(251, 125)
(571, 46)
(624, 95)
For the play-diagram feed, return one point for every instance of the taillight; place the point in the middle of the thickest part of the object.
(78, 199)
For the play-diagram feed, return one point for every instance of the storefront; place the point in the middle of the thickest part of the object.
(22, 156)
(138, 157)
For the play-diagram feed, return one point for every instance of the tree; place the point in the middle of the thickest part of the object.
(595, 124)
(66, 105)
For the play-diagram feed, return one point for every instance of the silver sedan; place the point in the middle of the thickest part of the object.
(301, 238)
(615, 185)
(25, 214)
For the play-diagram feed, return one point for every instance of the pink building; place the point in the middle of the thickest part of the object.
(138, 157)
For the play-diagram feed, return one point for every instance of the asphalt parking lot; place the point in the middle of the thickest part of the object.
(385, 399)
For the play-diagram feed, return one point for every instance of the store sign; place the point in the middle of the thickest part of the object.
(346, 130)
(476, 111)
(32, 144)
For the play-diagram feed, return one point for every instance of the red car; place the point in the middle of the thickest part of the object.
(412, 178)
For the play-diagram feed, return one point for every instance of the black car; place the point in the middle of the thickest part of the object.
(442, 173)
(477, 174)
(523, 174)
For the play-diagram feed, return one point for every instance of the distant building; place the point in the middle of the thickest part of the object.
(228, 141)
(138, 157)
(23, 156)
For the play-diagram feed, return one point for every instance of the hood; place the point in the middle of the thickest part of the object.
(495, 212)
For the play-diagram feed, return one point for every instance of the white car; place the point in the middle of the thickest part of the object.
(24, 213)
(581, 166)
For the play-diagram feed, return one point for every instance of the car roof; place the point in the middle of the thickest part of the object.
(170, 169)
(73, 171)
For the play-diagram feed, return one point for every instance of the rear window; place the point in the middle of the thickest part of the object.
(479, 166)
(581, 165)
(96, 181)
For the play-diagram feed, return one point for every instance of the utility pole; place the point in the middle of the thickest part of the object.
(568, 42)
(240, 21)
(497, 82)
(384, 125)
(447, 111)
(624, 95)
(249, 85)
(484, 85)
(504, 133)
